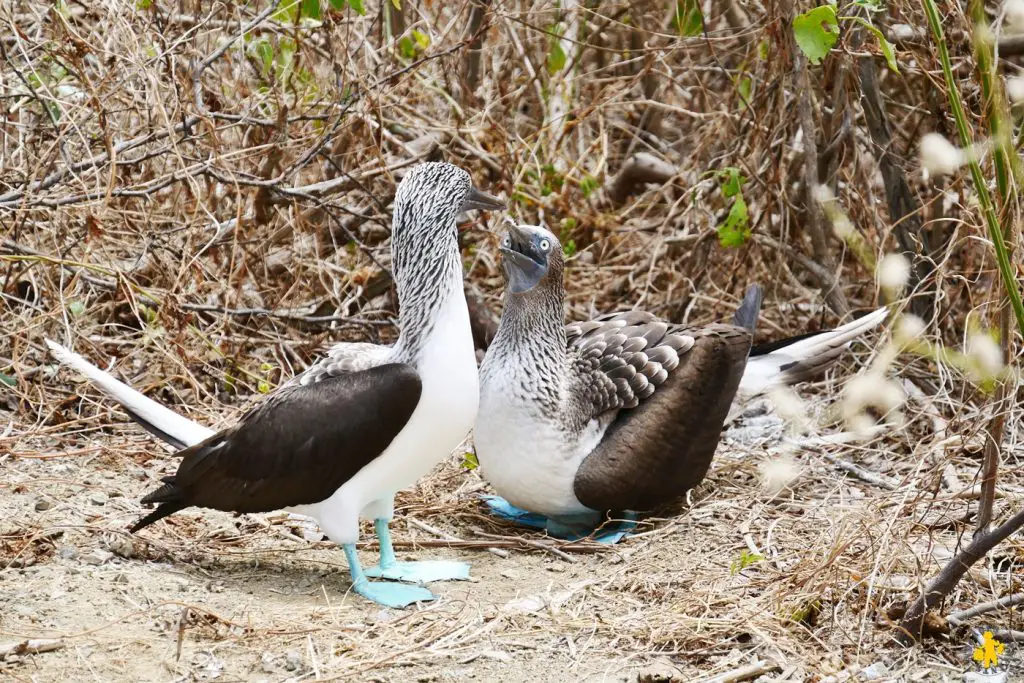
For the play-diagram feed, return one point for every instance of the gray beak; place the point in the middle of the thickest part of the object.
(478, 199)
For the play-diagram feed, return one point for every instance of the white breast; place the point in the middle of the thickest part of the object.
(526, 457)
(442, 419)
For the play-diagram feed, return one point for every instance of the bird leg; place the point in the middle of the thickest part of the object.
(412, 572)
(570, 529)
(387, 594)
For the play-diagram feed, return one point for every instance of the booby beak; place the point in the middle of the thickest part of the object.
(524, 263)
(478, 199)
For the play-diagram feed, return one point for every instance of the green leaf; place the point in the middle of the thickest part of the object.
(745, 559)
(745, 87)
(422, 39)
(588, 185)
(556, 56)
(143, 4)
(688, 20)
(569, 248)
(406, 47)
(310, 9)
(8, 380)
(816, 32)
(338, 5)
(358, 6)
(265, 51)
(263, 386)
(735, 231)
(888, 49)
(397, 4)
(469, 460)
(287, 12)
(732, 181)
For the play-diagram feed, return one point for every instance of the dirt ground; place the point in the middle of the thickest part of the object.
(793, 585)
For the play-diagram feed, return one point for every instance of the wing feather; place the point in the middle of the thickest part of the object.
(299, 445)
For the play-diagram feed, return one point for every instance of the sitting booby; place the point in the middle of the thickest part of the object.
(336, 442)
(621, 413)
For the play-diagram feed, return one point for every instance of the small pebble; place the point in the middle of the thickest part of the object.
(98, 498)
(122, 546)
(43, 504)
(97, 556)
(292, 661)
(67, 552)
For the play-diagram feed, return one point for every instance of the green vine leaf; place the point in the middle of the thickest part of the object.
(816, 32)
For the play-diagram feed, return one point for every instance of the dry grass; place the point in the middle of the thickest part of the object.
(244, 224)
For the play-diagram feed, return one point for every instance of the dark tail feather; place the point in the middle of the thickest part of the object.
(161, 511)
(168, 493)
(153, 429)
(750, 308)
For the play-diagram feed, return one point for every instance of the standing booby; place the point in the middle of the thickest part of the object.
(620, 413)
(338, 441)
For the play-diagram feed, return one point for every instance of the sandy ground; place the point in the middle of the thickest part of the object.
(209, 596)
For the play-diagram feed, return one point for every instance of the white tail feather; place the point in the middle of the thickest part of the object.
(166, 420)
(812, 355)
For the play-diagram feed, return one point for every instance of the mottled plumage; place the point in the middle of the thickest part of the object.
(621, 412)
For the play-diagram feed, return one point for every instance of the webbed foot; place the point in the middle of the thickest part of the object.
(421, 572)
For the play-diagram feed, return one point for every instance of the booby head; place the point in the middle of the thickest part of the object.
(439, 191)
(424, 234)
(531, 254)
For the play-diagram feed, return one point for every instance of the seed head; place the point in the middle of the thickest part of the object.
(893, 271)
(938, 155)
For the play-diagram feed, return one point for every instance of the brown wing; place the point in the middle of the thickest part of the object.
(620, 359)
(656, 451)
(296, 447)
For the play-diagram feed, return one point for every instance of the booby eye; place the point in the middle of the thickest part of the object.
(506, 241)
(545, 245)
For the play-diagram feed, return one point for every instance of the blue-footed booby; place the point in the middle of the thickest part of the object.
(620, 413)
(336, 442)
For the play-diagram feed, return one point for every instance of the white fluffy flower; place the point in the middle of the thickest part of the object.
(874, 391)
(790, 407)
(893, 271)
(939, 156)
(1013, 13)
(909, 328)
(1015, 89)
(842, 227)
(823, 194)
(985, 351)
(778, 473)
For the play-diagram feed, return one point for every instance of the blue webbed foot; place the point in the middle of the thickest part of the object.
(421, 572)
(386, 594)
(396, 595)
(570, 529)
(499, 507)
(412, 572)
